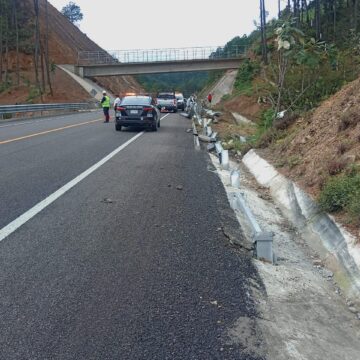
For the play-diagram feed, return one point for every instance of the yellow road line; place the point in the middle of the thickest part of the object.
(47, 132)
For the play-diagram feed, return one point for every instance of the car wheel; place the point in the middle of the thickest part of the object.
(175, 110)
(117, 127)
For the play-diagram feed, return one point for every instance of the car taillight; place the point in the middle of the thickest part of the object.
(148, 109)
(175, 102)
(120, 108)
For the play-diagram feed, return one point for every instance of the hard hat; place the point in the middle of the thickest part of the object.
(104, 92)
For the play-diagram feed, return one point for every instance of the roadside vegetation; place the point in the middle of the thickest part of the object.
(296, 63)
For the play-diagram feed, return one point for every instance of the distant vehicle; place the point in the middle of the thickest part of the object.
(181, 103)
(138, 111)
(166, 101)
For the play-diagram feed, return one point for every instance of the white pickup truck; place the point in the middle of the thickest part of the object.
(166, 101)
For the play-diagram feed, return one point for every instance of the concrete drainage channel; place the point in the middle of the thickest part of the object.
(262, 241)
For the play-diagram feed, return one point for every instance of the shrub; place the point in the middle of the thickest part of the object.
(294, 161)
(226, 97)
(267, 118)
(354, 208)
(349, 119)
(338, 192)
(266, 133)
(5, 86)
(265, 138)
(286, 121)
(247, 71)
(342, 148)
(336, 167)
(34, 93)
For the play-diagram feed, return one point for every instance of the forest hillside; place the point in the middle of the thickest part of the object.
(34, 37)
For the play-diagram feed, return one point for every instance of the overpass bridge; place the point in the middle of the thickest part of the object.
(155, 61)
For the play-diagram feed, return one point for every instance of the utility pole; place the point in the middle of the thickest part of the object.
(263, 31)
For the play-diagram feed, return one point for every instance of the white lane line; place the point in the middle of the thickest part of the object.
(43, 120)
(22, 219)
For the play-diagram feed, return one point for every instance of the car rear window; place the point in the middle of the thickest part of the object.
(166, 96)
(136, 100)
(179, 97)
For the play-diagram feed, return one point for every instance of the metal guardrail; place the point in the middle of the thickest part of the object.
(161, 55)
(13, 109)
(262, 240)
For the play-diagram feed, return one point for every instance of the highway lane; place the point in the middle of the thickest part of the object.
(17, 128)
(32, 168)
(126, 264)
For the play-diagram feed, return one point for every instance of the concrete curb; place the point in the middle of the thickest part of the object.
(321, 231)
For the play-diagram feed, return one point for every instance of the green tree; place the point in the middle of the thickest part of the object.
(72, 12)
(287, 39)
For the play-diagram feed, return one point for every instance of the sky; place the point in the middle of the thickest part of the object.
(150, 24)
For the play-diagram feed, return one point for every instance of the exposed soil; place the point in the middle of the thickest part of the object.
(227, 127)
(119, 84)
(245, 105)
(323, 143)
(64, 87)
(315, 146)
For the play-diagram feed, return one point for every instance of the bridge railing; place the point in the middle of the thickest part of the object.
(160, 55)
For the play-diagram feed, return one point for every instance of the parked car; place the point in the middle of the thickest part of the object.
(139, 111)
(181, 103)
(166, 101)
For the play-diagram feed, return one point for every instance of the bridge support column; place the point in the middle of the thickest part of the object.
(79, 70)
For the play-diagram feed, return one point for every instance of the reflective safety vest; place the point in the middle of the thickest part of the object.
(106, 103)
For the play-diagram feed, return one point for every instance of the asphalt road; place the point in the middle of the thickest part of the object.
(131, 262)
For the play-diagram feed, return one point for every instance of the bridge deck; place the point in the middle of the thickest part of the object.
(152, 61)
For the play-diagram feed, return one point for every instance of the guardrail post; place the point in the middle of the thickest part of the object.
(263, 245)
(213, 136)
(219, 149)
(224, 159)
(235, 178)
(208, 131)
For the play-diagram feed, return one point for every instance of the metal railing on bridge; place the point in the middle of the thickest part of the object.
(161, 55)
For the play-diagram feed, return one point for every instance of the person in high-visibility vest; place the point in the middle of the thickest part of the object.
(105, 103)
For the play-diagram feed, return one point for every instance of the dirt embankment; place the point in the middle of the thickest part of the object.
(65, 41)
(246, 106)
(322, 143)
(317, 146)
